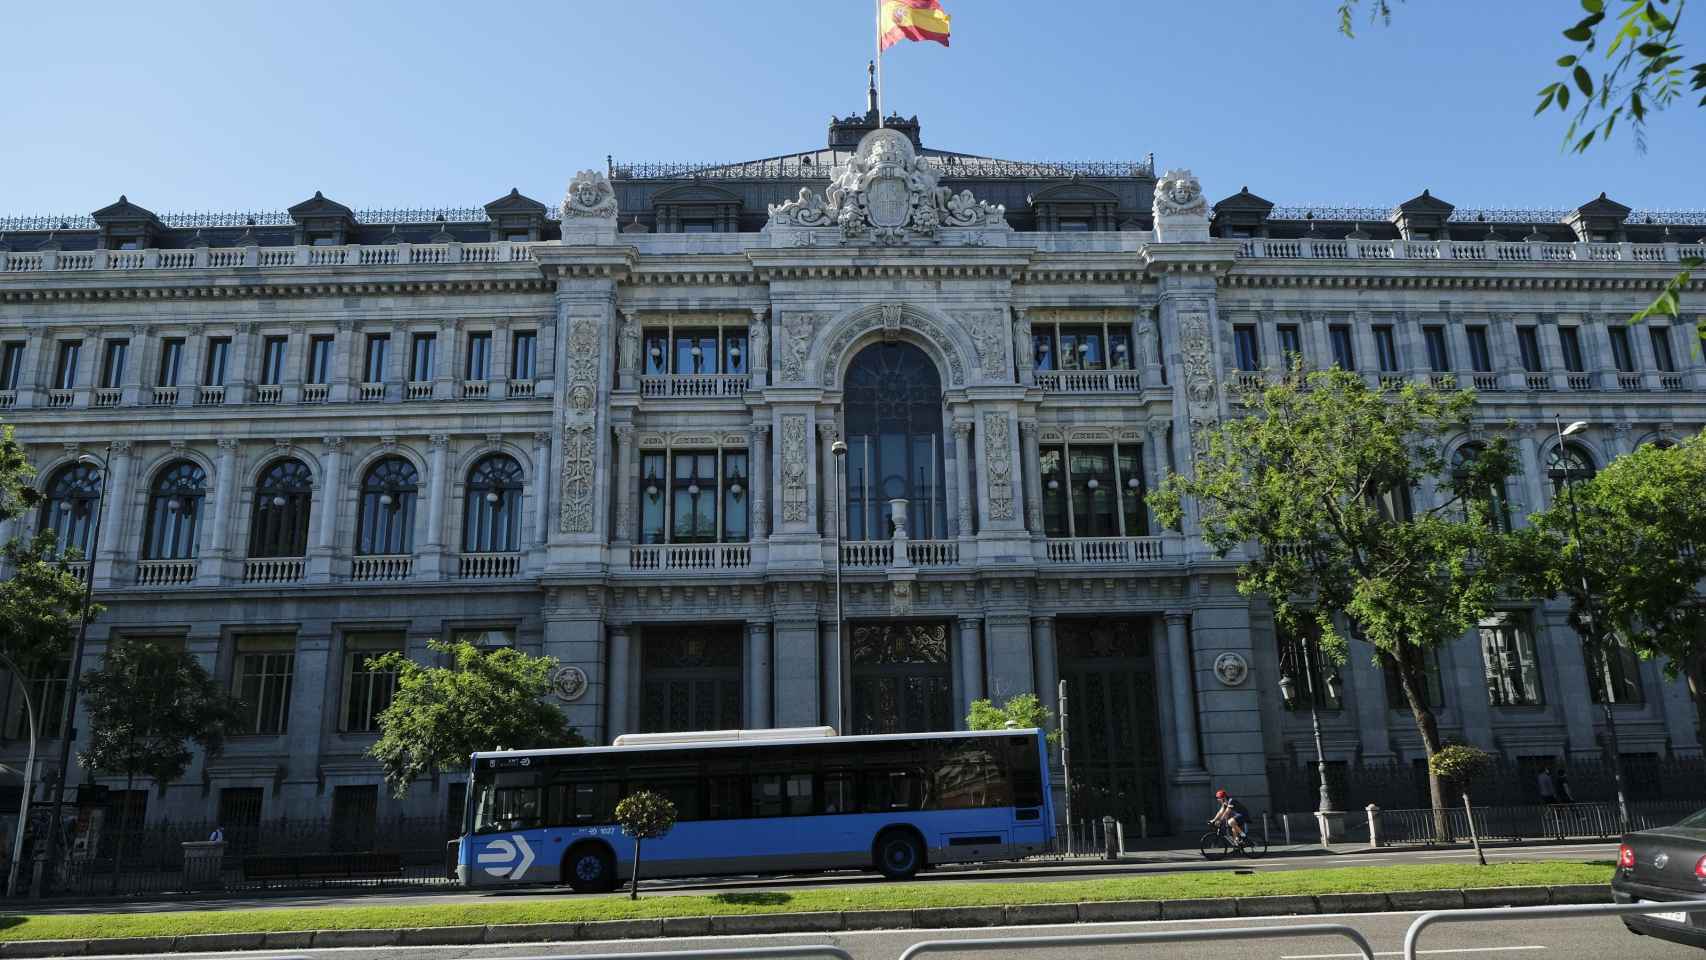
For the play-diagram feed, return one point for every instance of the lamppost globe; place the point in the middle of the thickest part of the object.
(1288, 688)
(839, 448)
(1574, 428)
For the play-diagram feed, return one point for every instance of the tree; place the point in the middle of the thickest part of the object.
(1024, 711)
(1642, 72)
(1643, 519)
(16, 494)
(39, 605)
(146, 703)
(485, 700)
(1319, 478)
(643, 815)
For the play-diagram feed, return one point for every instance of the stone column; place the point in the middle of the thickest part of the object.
(759, 468)
(758, 347)
(1232, 713)
(971, 664)
(1681, 719)
(1507, 351)
(113, 513)
(1621, 440)
(431, 556)
(497, 367)
(1047, 660)
(757, 694)
(542, 488)
(1465, 674)
(1533, 474)
(313, 701)
(324, 553)
(89, 361)
(343, 361)
(625, 483)
(136, 359)
(1032, 465)
(1184, 699)
(1007, 646)
(827, 435)
(397, 357)
(964, 495)
(295, 361)
(1372, 711)
(217, 546)
(1564, 675)
(447, 366)
(574, 634)
(1155, 460)
(32, 376)
(240, 373)
(621, 685)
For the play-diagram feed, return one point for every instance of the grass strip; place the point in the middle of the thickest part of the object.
(906, 896)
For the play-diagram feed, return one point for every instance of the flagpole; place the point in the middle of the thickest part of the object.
(879, 28)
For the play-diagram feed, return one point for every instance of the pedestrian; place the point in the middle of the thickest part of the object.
(1548, 795)
(217, 836)
(1563, 784)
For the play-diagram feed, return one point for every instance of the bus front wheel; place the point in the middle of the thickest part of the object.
(899, 855)
(589, 868)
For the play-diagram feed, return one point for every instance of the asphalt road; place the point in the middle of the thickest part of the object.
(1509, 940)
(1295, 859)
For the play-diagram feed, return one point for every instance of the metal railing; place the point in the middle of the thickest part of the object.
(1564, 821)
(1412, 936)
(805, 950)
(1276, 932)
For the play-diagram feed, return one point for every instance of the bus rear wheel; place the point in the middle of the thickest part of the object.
(899, 855)
(589, 868)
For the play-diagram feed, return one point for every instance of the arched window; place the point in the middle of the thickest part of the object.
(1571, 462)
(1491, 494)
(386, 521)
(174, 512)
(279, 518)
(491, 508)
(894, 443)
(73, 497)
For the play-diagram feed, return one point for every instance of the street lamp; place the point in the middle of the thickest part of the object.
(1288, 690)
(68, 730)
(1597, 656)
(839, 449)
(29, 775)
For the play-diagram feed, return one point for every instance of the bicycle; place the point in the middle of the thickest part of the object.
(1219, 842)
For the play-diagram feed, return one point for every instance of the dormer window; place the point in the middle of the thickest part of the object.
(1073, 226)
(698, 225)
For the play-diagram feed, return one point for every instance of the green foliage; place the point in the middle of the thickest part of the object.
(16, 493)
(645, 815)
(1643, 519)
(147, 702)
(1319, 478)
(485, 700)
(1025, 710)
(1458, 763)
(39, 606)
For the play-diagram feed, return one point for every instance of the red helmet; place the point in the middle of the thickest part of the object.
(1221, 794)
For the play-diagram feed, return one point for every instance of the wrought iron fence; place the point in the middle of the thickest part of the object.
(1648, 778)
(1561, 821)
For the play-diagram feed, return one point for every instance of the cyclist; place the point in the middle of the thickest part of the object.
(1233, 814)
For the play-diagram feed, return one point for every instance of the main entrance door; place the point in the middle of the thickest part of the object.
(1109, 669)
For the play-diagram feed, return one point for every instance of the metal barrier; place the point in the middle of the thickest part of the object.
(1426, 920)
(1158, 936)
(734, 953)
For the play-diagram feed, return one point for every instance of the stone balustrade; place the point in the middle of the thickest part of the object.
(1088, 381)
(165, 573)
(273, 569)
(488, 566)
(390, 566)
(695, 385)
(1494, 251)
(1102, 550)
(225, 258)
(690, 556)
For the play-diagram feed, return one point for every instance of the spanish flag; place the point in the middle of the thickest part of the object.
(899, 20)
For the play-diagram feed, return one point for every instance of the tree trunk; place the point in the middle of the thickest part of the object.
(1412, 678)
(634, 878)
(118, 850)
(1697, 687)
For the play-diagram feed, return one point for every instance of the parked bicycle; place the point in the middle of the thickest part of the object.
(1219, 842)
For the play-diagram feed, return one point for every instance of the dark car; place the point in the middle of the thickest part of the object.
(1662, 865)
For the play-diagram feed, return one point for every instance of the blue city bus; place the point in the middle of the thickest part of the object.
(759, 801)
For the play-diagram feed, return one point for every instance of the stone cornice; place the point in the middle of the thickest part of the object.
(123, 286)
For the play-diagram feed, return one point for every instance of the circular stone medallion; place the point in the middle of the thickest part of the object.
(568, 683)
(1231, 669)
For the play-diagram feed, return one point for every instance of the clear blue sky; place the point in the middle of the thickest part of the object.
(252, 105)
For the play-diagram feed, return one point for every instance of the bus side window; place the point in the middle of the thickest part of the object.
(723, 797)
(767, 798)
(840, 794)
(887, 790)
(799, 789)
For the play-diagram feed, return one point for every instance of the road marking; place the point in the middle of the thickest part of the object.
(1399, 953)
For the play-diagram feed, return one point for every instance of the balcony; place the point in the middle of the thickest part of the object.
(316, 392)
(1672, 383)
(1539, 382)
(350, 255)
(1497, 251)
(418, 390)
(274, 569)
(1579, 381)
(209, 396)
(165, 573)
(690, 556)
(60, 399)
(521, 388)
(695, 385)
(370, 393)
(1631, 382)
(269, 393)
(1487, 383)
(1103, 550)
(108, 397)
(163, 396)
(488, 566)
(475, 389)
(1088, 381)
(8, 399)
(383, 567)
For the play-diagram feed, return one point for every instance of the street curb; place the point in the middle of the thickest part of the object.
(1095, 911)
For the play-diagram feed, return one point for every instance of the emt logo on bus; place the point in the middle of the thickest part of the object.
(499, 857)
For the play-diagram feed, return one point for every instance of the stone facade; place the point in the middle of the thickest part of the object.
(566, 387)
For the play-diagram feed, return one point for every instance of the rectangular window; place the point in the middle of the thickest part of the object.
(1528, 343)
(65, 371)
(273, 350)
(1433, 689)
(319, 360)
(1291, 344)
(1042, 348)
(1570, 338)
(1247, 349)
(378, 358)
(1386, 349)
(1309, 672)
(47, 694)
(112, 365)
(1621, 351)
(696, 351)
(367, 691)
(355, 813)
(479, 356)
(1439, 356)
(736, 478)
(1343, 354)
(1480, 354)
(1512, 666)
(1662, 356)
(651, 498)
(1131, 492)
(218, 353)
(11, 365)
(1081, 348)
(266, 668)
(240, 814)
(490, 638)
(734, 350)
(1619, 673)
(693, 497)
(1051, 461)
(686, 497)
(425, 348)
(171, 359)
(1093, 491)
(521, 355)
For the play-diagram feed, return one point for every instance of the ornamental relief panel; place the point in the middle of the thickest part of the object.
(580, 436)
(582, 391)
(998, 456)
(796, 345)
(794, 499)
(892, 319)
(989, 334)
(580, 442)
